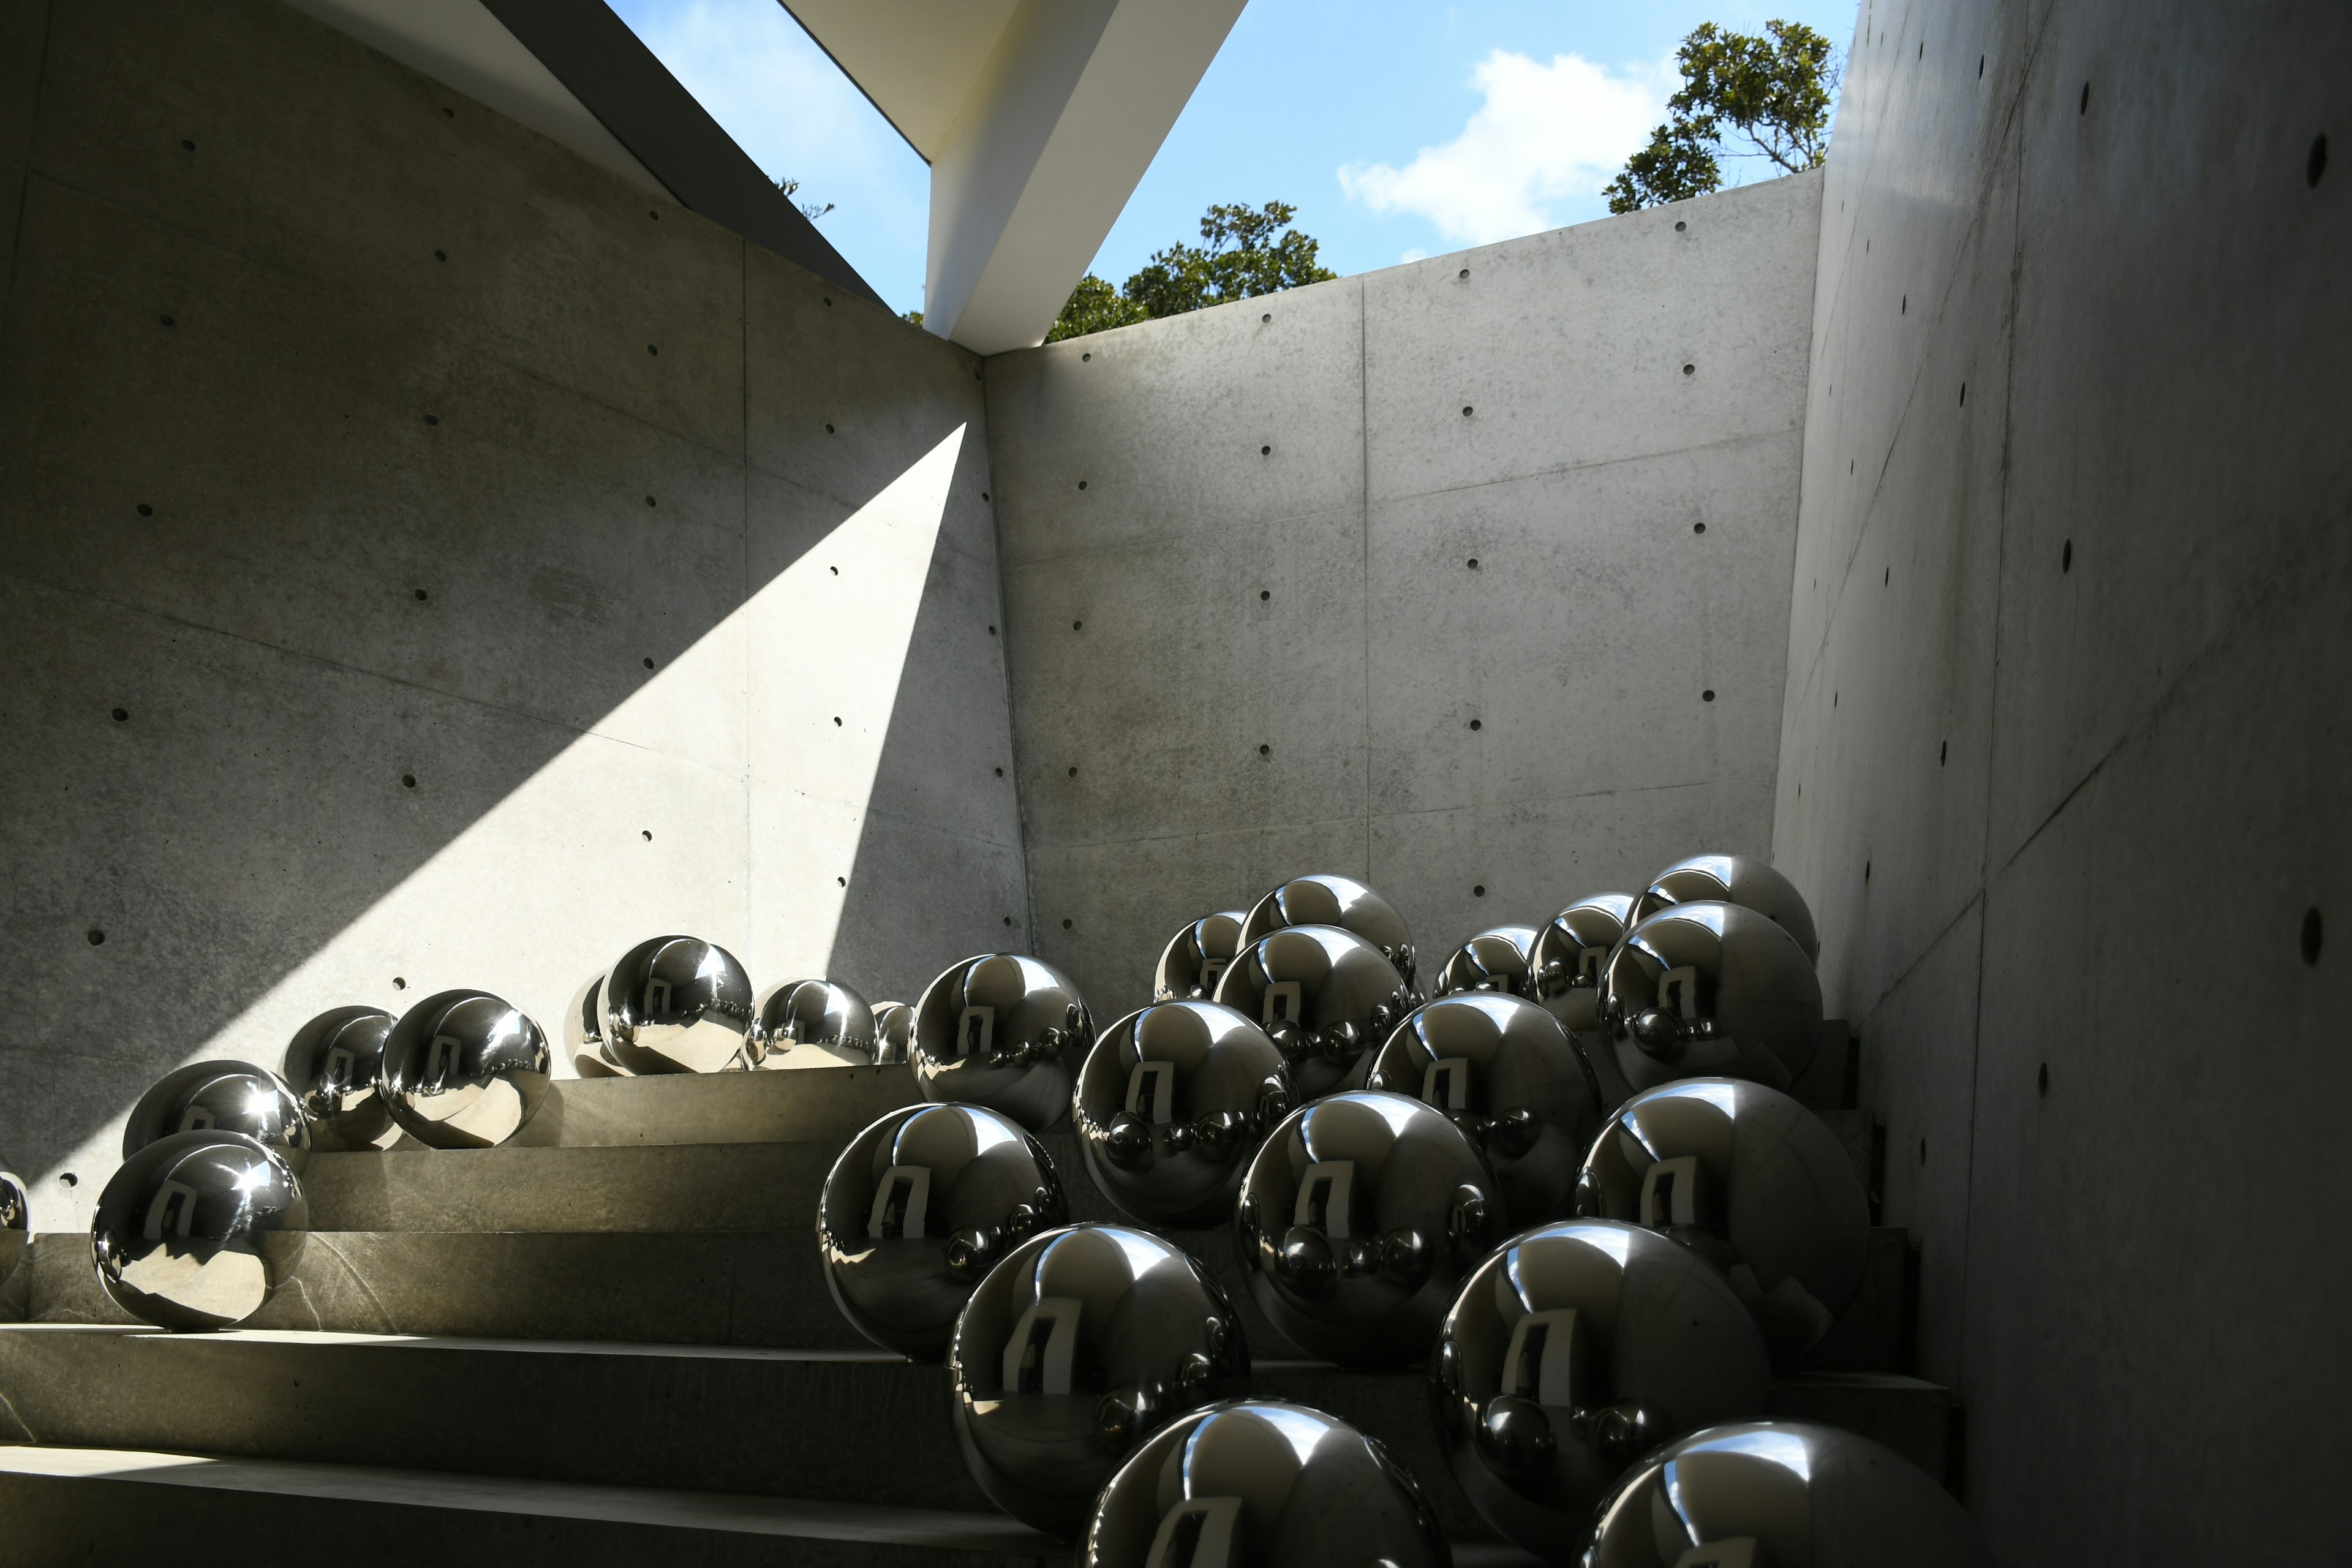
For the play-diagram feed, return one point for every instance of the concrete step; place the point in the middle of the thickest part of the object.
(824, 1104)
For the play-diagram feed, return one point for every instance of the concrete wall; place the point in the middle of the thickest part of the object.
(490, 566)
(1246, 638)
(2064, 753)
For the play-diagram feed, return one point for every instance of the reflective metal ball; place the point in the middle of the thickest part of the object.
(463, 1069)
(1503, 1071)
(1786, 1493)
(584, 1034)
(330, 1066)
(1357, 1219)
(919, 1207)
(1494, 959)
(1733, 879)
(1751, 1180)
(677, 1004)
(823, 1014)
(16, 1222)
(1262, 1482)
(1325, 996)
(1172, 1104)
(1709, 989)
(229, 1097)
(1569, 1354)
(196, 1229)
(894, 1033)
(1077, 1347)
(1003, 1031)
(1328, 901)
(1569, 953)
(1196, 956)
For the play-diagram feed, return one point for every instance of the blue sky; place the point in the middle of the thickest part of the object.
(1398, 129)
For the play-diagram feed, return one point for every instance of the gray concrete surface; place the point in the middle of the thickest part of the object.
(2066, 682)
(1271, 551)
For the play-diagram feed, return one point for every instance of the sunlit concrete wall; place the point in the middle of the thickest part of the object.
(2065, 759)
(1469, 577)
(429, 561)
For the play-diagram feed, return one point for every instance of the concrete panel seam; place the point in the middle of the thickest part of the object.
(1162, 540)
(24, 190)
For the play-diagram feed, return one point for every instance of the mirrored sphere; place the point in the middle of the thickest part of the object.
(1569, 953)
(1733, 879)
(894, 1033)
(16, 1222)
(330, 1066)
(677, 1004)
(1076, 1348)
(1171, 1105)
(1709, 990)
(1784, 1493)
(1494, 959)
(1004, 1031)
(1503, 1071)
(196, 1229)
(1357, 1219)
(1328, 901)
(1258, 1482)
(1325, 996)
(232, 1097)
(464, 1069)
(823, 1014)
(1196, 956)
(1572, 1351)
(917, 1209)
(1751, 1180)
(584, 1034)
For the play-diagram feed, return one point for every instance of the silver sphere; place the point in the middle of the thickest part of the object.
(1262, 1482)
(1077, 1348)
(677, 1004)
(227, 1097)
(824, 1015)
(1325, 996)
(1709, 990)
(1733, 879)
(1572, 1351)
(1003, 1031)
(1196, 956)
(917, 1209)
(463, 1069)
(1503, 1071)
(1751, 1180)
(1328, 901)
(1494, 959)
(583, 1033)
(1786, 1493)
(196, 1229)
(330, 1066)
(1357, 1219)
(894, 1033)
(16, 1222)
(1567, 956)
(1171, 1106)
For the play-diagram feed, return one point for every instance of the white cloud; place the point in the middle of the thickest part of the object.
(1547, 134)
(1416, 254)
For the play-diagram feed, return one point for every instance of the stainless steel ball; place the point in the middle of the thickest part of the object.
(917, 1210)
(1325, 996)
(1259, 1481)
(1572, 1351)
(229, 1097)
(1741, 879)
(1751, 1180)
(1569, 953)
(1709, 990)
(464, 1069)
(1494, 959)
(1784, 1493)
(1357, 1221)
(1077, 1348)
(1329, 901)
(677, 1004)
(197, 1229)
(330, 1066)
(894, 1033)
(1171, 1107)
(16, 1222)
(1004, 1031)
(584, 1034)
(1503, 1070)
(1196, 956)
(823, 1014)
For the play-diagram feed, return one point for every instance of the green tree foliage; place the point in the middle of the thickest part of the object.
(1245, 252)
(1774, 90)
(809, 210)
